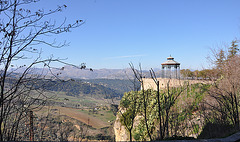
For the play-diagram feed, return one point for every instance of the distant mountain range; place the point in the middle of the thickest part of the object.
(76, 73)
(127, 73)
(73, 72)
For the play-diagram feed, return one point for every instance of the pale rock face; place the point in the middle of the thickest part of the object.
(121, 133)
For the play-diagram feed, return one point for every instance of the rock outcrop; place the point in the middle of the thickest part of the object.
(121, 134)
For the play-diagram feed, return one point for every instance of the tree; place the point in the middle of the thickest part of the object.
(22, 32)
(186, 73)
(220, 59)
(166, 102)
(221, 106)
(233, 49)
(225, 92)
(196, 74)
(221, 55)
(154, 78)
(223, 96)
(146, 104)
(130, 104)
(139, 76)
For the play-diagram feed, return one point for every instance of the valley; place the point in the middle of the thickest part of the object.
(93, 111)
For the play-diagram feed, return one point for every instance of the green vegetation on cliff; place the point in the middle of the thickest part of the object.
(179, 112)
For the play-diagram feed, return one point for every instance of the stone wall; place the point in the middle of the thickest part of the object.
(148, 83)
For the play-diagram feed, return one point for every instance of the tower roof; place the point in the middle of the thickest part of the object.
(170, 58)
(170, 61)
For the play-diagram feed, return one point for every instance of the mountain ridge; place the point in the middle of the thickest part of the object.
(68, 72)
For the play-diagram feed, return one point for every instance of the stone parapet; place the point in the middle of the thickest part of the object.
(148, 83)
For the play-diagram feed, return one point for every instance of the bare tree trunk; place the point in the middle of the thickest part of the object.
(139, 76)
(31, 135)
(145, 114)
(153, 75)
(159, 111)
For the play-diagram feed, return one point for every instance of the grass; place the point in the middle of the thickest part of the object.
(103, 115)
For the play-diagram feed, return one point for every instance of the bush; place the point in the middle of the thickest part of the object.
(216, 130)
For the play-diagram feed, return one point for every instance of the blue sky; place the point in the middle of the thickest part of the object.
(117, 32)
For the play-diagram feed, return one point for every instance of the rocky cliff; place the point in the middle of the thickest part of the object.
(184, 119)
(121, 133)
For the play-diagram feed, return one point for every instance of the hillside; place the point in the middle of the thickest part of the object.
(76, 73)
(78, 87)
(120, 85)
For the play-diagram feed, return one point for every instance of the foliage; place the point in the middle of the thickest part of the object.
(205, 74)
(177, 112)
(121, 86)
(216, 130)
(130, 106)
(114, 109)
(221, 55)
(225, 94)
(75, 88)
(179, 138)
(179, 115)
(99, 137)
(127, 117)
(233, 49)
(186, 73)
(221, 105)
